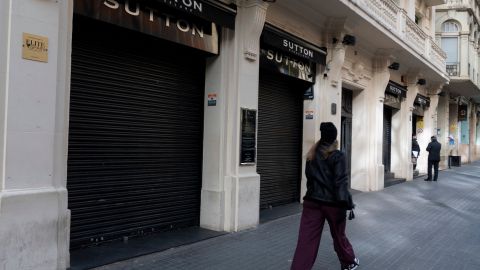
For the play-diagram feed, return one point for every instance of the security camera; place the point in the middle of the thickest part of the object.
(349, 40)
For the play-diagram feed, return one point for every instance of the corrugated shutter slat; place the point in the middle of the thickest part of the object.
(136, 135)
(280, 125)
(387, 138)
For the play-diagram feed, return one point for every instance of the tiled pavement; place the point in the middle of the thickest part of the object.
(416, 225)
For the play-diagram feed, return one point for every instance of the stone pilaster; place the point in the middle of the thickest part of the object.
(464, 55)
(443, 115)
(374, 110)
(230, 192)
(329, 86)
(402, 139)
(438, 110)
(473, 132)
(34, 96)
(4, 66)
(327, 91)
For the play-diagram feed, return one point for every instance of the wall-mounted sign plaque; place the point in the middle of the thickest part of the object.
(309, 114)
(276, 38)
(396, 89)
(35, 47)
(308, 94)
(212, 99)
(248, 137)
(202, 9)
(392, 101)
(155, 19)
(296, 67)
(422, 100)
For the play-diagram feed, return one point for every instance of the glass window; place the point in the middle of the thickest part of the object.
(450, 26)
(450, 46)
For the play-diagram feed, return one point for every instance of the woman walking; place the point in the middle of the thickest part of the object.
(327, 198)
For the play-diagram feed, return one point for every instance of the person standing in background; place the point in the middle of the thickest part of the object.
(433, 149)
(415, 151)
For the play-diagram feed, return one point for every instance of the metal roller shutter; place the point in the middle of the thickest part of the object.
(346, 129)
(280, 126)
(387, 138)
(136, 135)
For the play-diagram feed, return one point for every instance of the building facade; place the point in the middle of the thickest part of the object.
(123, 118)
(457, 31)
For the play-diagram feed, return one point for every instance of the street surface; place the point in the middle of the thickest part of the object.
(416, 225)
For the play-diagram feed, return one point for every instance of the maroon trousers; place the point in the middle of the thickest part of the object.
(311, 227)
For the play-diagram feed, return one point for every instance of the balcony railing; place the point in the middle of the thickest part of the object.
(415, 36)
(458, 4)
(452, 69)
(395, 19)
(437, 55)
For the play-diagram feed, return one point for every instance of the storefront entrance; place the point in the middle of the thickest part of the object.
(387, 139)
(280, 126)
(395, 93)
(346, 128)
(135, 137)
(286, 73)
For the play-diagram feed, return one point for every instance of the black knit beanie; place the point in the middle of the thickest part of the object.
(328, 132)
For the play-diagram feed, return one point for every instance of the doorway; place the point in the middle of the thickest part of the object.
(346, 129)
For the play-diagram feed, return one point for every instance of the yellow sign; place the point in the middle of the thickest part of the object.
(420, 123)
(453, 128)
(35, 48)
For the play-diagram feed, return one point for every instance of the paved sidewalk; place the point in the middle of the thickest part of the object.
(416, 225)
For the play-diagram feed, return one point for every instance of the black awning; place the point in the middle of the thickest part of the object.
(422, 100)
(288, 43)
(200, 34)
(216, 13)
(396, 89)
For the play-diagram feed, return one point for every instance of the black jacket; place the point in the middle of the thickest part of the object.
(327, 179)
(415, 146)
(433, 149)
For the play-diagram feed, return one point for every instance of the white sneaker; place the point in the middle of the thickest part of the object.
(354, 265)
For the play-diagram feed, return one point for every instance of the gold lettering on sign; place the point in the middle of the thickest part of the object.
(35, 48)
(111, 4)
(150, 18)
(134, 8)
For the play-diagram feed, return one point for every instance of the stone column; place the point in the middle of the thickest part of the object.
(433, 21)
(443, 115)
(464, 55)
(34, 220)
(4, 68)
(431, 125)
(373, 107)
(327, 91)
(473, 132)
(454, 128)
(433, 117)
(361, 167)
(230, 192)
(216, 141)
(402, 139)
